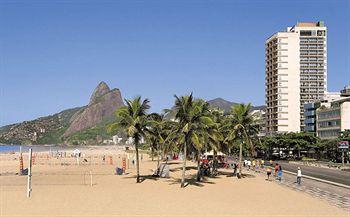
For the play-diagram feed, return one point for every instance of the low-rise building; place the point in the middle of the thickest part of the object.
(259, 116)
(310, 110)
(345, 92)
(333, 118)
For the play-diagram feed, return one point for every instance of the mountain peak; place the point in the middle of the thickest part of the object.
(218, 99)
(103, 104)
(101, 89)
(221, 104)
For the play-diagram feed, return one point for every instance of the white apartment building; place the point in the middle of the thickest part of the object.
(295, 74)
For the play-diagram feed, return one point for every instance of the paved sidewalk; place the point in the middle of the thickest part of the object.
(337, 196)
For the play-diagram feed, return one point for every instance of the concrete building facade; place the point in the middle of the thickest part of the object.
(295, 74)
(333, 119)
(310, 110)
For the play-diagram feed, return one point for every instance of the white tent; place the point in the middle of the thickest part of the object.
(211, 153)
(76, 152)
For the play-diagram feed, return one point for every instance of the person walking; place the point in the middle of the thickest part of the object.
(235, 169)
(299, 176)
(276, 169)
(268, 173)
(279, 173)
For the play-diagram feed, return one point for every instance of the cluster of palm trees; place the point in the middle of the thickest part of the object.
(191, 127)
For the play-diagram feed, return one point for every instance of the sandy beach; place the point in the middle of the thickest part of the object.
(63, 188)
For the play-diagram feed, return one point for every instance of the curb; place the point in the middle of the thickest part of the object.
(320, 180)
(317, 179)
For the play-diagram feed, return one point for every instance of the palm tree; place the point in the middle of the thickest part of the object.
(134, 121)
(191, 116)
(242, 128)
(156, 134)
(214, 136)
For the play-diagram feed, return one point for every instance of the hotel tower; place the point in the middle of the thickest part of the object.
(295, 74)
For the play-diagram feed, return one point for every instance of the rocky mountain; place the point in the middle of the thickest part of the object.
(71, 123)
(227, 105)
(103, 103)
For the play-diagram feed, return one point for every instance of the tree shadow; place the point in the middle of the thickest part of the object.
(172, 163)
(190, 181)
(180, 168)
(230, 174)
(143, 177)
(246, 175)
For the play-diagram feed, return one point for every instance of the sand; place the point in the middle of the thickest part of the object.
(64, 190)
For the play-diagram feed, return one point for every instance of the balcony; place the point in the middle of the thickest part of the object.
(309, 120)
(309, 128)
(310, 113)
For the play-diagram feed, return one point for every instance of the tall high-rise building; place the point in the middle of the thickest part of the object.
(296, 73)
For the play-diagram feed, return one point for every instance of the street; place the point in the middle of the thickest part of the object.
(332, 175)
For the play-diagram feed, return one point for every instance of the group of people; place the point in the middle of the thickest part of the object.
(278, 173)
(208, 167)
(255, 165)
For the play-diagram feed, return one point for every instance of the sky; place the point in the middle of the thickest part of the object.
(54, 53)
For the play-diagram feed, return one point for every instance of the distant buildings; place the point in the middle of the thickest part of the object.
(334, 117)
(310, 110)
(329, 116)
(116, 140)
(295, 74)
(259, 116)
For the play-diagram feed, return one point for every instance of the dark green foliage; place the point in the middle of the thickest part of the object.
(93, 135)
(53, 137)
(303, 145)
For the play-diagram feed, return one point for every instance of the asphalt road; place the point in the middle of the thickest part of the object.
(332, 175)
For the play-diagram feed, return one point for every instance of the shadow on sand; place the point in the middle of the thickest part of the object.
(230, 174)
(190, 181)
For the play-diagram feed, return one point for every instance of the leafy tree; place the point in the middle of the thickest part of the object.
(133, 119)
(242, 129)
(192, 116)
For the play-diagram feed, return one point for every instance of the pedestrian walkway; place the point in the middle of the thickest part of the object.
(332, 198)
(342, 201)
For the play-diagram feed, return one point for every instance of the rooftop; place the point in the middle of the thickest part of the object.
(310, 24)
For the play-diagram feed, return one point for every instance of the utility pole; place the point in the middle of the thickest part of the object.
(29, 183)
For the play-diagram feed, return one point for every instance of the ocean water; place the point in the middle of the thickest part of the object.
(9, 148)
(15, 148)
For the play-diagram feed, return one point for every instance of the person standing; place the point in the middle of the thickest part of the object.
(299, 176)
(249, 164)
(276, 169)
(279, 173)
(268, 172)
(234, 169)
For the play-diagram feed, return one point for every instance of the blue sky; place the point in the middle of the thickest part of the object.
(54, 53)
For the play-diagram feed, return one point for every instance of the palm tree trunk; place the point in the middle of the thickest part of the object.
(214, 160)
(184, 167)
(158, 157)
(166, 159)
(198, 168)
(240, 160)
(152, 153)
(137, 161)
